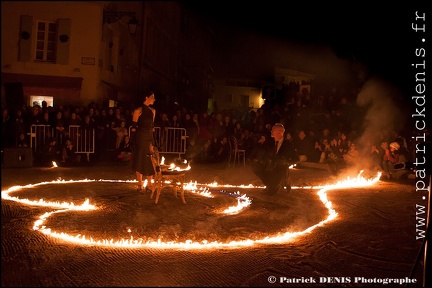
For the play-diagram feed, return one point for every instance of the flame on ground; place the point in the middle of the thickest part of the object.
(242, 202)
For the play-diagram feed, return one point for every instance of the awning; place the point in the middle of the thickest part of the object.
(111, 86)
(42, 80)
(112, 90)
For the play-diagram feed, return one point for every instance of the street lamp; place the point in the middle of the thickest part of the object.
(113, 16)
(133, 26)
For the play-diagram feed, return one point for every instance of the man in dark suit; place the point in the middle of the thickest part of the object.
(280, 156)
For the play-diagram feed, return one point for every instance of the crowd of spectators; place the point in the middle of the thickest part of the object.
(322, 129)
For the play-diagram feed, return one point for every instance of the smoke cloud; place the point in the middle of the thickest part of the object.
(382, 118)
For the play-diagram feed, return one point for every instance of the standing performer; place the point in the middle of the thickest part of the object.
(273, 168)
(143, 123)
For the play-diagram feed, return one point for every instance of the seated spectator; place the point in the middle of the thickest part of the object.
(247, 142)
(343, 143)
(333, 157)
(404, 155)
(192, 151)
(373, 154)
(51, 152)
(352, 156)
(110, 134)
(313, 139)
(206, 155)
(69, 154)
(8, 128)
(22, 141)
(121, 132)
(222, 149)
(20, 126)
(303, 146)
(238, 130)
(382, 149)
(323, 148)
(259, 154)
(390, 159)
(124, 152)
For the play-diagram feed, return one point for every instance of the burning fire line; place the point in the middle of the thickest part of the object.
(243, 201)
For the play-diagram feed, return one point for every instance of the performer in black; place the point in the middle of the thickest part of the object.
(143, 123)
(274, 169)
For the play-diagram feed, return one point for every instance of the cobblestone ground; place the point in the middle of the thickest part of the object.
(373, 235)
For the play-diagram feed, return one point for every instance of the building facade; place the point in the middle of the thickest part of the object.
(78, 52)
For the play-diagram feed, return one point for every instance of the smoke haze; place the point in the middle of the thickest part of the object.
(382, 119)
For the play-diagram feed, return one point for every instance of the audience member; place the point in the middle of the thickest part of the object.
(124, 152)
(121, 132)
(247, 142)
(372, 152)
(7, 131)
(191, 127)
(22, 141)
(390, 159)
(402, 151)
(206, 154)
(352, 156)
(20, 125)
(204, 128)
(69, 154)
(60, 127)
(208, 126)
(334, 157)
(51, 152)
(303, 146)
(259, 154)
(222, 149)
(193, 151)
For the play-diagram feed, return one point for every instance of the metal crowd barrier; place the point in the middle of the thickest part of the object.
(83, 139)
(169, 141)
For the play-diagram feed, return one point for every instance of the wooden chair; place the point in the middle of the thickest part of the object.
(235, 153)
(165, 178)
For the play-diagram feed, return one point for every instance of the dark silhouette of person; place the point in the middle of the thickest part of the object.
(143, 122)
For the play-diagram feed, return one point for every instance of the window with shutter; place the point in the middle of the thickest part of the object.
(46, 33)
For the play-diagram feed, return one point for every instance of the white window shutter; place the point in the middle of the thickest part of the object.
(63, 41)
(26, 31)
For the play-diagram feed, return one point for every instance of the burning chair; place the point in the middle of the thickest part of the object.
(165, 177)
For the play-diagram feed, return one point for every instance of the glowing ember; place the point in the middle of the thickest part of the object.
(242, 202)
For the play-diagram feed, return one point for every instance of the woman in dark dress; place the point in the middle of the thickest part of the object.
(143, 123)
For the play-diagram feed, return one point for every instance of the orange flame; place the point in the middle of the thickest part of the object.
(242, 202)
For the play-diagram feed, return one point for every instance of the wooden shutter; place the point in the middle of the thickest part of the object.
(63, 41)
(25, 38)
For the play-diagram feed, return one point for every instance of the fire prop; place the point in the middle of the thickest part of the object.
(243, 201)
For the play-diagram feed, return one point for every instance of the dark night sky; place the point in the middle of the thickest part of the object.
(252, 38)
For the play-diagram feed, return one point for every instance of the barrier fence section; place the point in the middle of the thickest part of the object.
(82, 139)
(169, 141)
